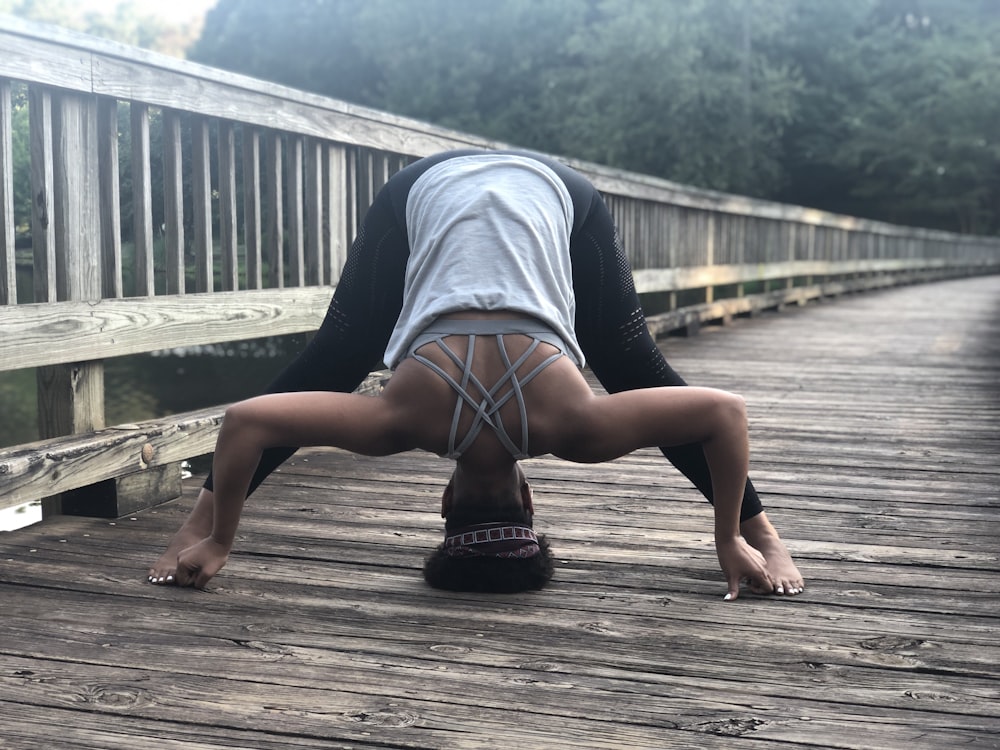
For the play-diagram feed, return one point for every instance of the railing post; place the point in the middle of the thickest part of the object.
(71, 396)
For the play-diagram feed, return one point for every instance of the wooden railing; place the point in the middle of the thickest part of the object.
(237, 225)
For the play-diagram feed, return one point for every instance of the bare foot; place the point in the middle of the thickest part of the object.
(196, 527)
(760, 534)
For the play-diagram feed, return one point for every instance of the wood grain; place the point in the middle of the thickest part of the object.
(875, 433)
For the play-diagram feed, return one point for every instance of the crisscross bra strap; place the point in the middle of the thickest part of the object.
(486, 411)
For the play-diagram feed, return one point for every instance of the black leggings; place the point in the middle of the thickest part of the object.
(610, 325)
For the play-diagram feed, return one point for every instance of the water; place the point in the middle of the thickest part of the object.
(150, 386)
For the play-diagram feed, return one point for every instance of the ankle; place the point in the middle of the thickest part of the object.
(759, 531)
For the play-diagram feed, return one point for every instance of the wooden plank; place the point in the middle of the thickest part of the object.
(73, 331)
(696, 277)
(142, 201)
(252, 208)
(274, 249)
(335, 218)
(43, 227)
(8, 265)
(110, 198)
(296, 212)
(173, 206)
(201, 188)
(229, 259)
(314, 199)
(35, 470)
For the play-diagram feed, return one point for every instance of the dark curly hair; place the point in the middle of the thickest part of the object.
(489, 574)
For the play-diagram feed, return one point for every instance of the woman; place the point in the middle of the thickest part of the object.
(484, 280)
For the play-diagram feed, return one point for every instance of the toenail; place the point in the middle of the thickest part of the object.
(160, 580)
(170, 578)
(780, 590)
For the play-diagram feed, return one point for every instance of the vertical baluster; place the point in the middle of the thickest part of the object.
(251, 207)
(173, 205)
(314, 213)
(201, 188)
(8, 263)
(335, 224)
(228, 257)
(293, 188)
(111, 214)
(274, 250)
(142, 201)
(43, 226)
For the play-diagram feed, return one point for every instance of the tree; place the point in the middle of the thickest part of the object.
(898, 119)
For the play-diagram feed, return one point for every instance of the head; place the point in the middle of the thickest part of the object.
(474, 500)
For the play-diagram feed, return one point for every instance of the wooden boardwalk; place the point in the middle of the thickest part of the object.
(876, 437)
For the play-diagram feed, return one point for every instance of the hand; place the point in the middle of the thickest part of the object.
(198, 563)
(740, 561)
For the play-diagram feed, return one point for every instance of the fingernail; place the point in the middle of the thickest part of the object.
(727, 597)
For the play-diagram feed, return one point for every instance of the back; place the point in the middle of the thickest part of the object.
(524, 385)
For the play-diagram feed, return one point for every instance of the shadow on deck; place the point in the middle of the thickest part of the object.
(876, 436)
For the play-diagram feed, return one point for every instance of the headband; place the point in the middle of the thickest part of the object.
(502, 540)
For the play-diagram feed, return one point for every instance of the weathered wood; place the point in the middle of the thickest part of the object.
(274, 249)
(874, 439)
(201, 183)
(8, 267)
(40, 469)
(173, 200)
(72, 331)
(229, 259)
(296, 212)
(36, 470)
(142, 201)
(314, 198)
(696, 277)
(110, 198)
(71, 396)
(335, 222)
(252, 207)
(43, 226)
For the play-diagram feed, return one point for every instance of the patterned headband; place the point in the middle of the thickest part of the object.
(492, 540)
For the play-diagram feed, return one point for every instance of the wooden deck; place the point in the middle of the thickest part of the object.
(876, 436)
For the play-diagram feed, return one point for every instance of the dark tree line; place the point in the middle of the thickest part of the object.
(879, 108)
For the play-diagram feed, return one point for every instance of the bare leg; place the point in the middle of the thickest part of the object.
(761, 535)
(196, 527)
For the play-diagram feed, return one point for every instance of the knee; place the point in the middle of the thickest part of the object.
(731, 409)
(239, 418)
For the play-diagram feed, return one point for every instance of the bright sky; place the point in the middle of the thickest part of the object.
(170, 10)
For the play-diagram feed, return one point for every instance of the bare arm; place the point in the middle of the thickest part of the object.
(360, 424)
(606, 427)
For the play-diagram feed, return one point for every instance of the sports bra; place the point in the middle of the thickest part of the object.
(487, 408)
